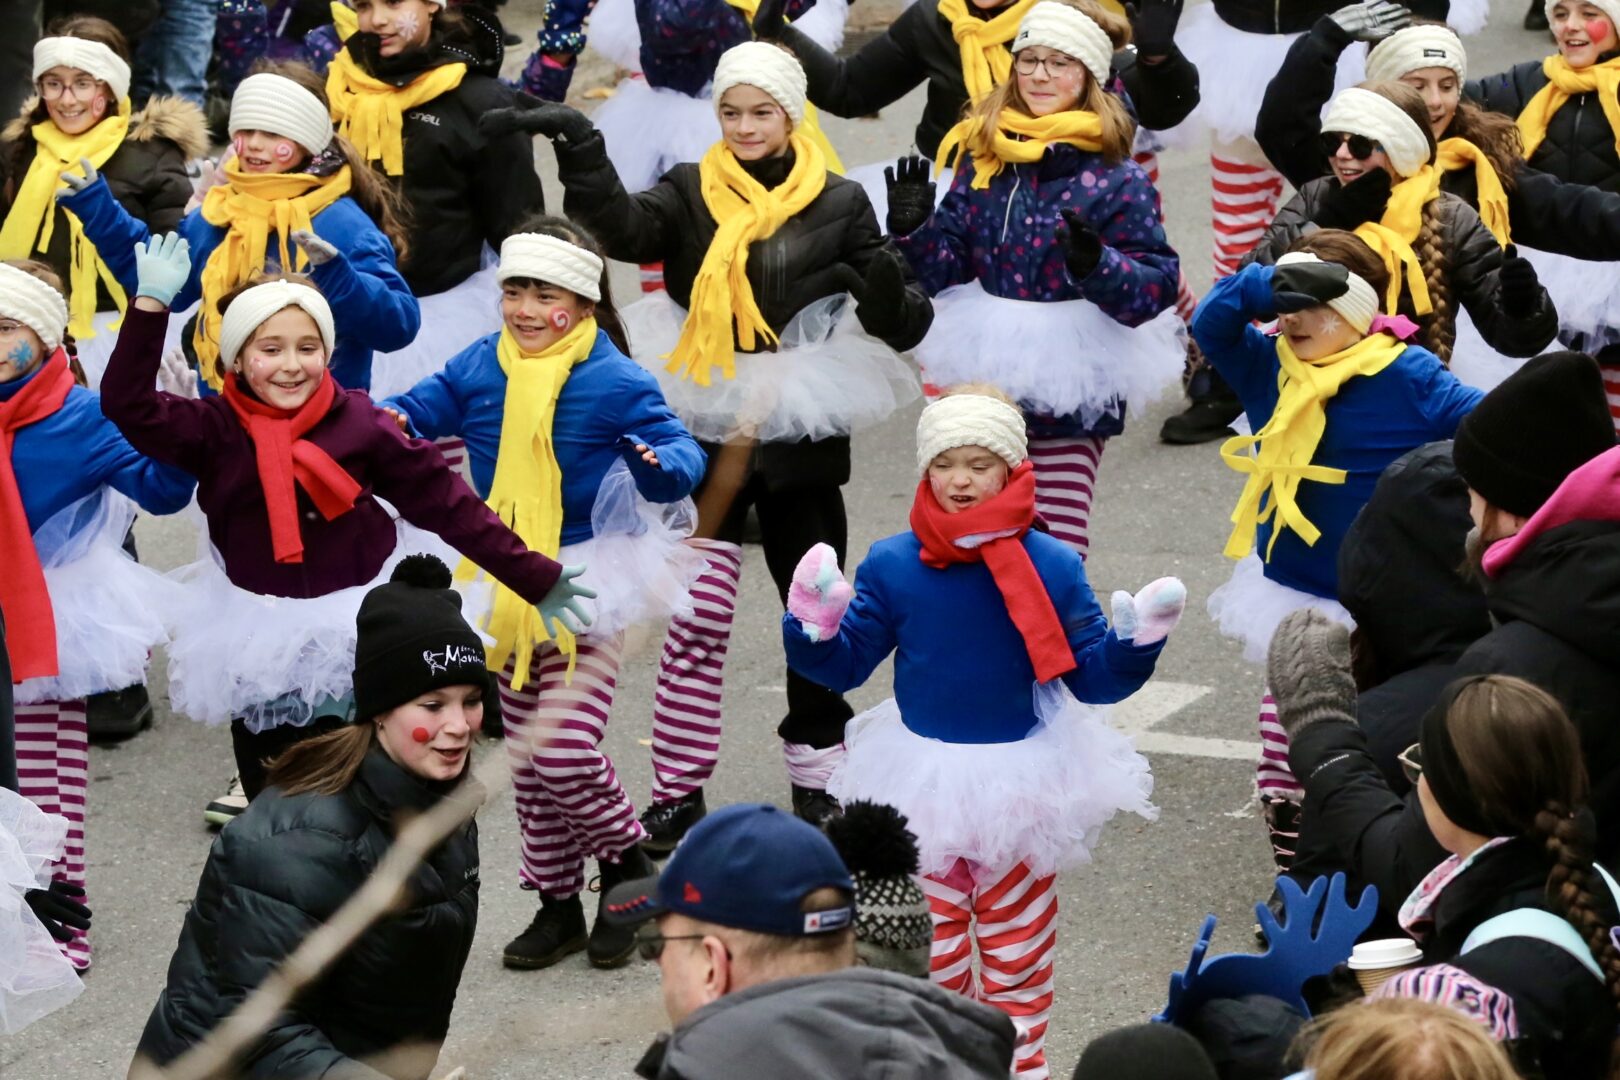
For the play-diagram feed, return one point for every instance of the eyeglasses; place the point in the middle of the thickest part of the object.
(1411, 762)
(1056, 66)
(51, 88)
(1361, 147)
(650, 943)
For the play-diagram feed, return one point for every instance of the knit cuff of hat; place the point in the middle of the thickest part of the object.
(552, 260)
(91, 57)
(1358, 304)
(253, 306)
(1070, 32)
(1499, 478)
(1362, 112)
(427, 661)
(971, 420)
(1611, 8)
(279, 106)
(1417, 47)
(768, 67)
(33, 303)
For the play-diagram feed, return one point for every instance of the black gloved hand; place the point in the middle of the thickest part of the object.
(1345, 206)
(911, 195)
(880, 293)
(1297, 286)
(59, 907)
(770, 20)
(1153, 27)
(1371, 21)
(554, 121)
(1521, 288)
(1083, 247)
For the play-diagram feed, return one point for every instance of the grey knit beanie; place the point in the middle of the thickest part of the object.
(893, 929)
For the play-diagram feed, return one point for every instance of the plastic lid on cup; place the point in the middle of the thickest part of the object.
(1387, 953)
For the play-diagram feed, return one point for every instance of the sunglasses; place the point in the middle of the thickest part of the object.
(1361, 147)
(1411, 762)
(650, 943)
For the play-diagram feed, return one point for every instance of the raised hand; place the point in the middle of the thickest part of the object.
(1308, 670)
(162, 267)
(176, 376)
(1083, 247)
(911, 195)
(1345, 206)
(77, 183)
(60, 908)
(561, 608)
(1148, 617)
(1153, 27)
(1296, 286)
(550, 119)
(1372, 21)
(819, 595)
(316, 250)
(770, 20)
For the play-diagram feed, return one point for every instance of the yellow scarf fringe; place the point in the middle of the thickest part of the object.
(1563, 83)
(1393, 235)
(1018, 140)
(371, 113)
(1456, 154)
(986, 61)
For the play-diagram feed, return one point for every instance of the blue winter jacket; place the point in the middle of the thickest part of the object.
(961, 671)
(607, 405)
(372, 307)
(1371, 421)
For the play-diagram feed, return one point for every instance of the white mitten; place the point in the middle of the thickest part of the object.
(176, 376)
(1151, 614)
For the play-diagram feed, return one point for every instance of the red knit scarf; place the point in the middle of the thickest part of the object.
(24, 599)
(1021, 587)
(284, 456)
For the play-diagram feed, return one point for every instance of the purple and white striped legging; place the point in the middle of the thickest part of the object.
(570, 803)
(53, 762)
(686, 704)
(1065, 477)
(1280, 792)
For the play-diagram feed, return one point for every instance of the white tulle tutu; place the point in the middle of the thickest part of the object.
(1250, 606)
(828, 377)
(231, 649)
(94, 352)
(1586, 293)
(613, 32)
(109, 609)
(649, 130)
(35, 978)
(1474, 361)
(451, 321)
(1060, 357)
(1468, 16)
(1042, 800)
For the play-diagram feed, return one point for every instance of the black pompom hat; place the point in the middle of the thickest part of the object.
(412, 639)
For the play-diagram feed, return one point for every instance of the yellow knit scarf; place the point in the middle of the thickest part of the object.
(32, 219)
(1018, 139)
(744, 211)
(1563, 83)
(371, 113)
(1457, 153)
(986, 61)
(812, 119)
(527, 491)
(1392, 237)
(252, 206)
(1289, 439)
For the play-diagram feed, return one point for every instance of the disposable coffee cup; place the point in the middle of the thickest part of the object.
(1376, 962)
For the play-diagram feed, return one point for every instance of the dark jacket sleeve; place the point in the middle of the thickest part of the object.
(1163, 94)
(174, 430)
(1291, 222)
(165, 189)
(1290, 116)
(505, 187)
(631, 228)
(1475, 270)
(1577, 220)
(882, 72)
(863, 240)
(1503, 92)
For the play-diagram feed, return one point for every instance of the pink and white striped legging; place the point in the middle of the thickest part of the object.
(1065, 478)
(1011, 918)
(1280, 791)
(53, 763)
(1246, 193)
(686, 703)
(570, 803)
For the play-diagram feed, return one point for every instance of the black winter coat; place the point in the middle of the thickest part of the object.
(1579, 147)
(281, 870)
(798, 265)
(1475, 260)
(1294, 16)
(918, 47)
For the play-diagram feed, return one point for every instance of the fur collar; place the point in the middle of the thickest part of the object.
(173, 119)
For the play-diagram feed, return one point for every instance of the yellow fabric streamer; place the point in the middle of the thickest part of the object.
(371, 113)
(1392, 237)
(1290, 438)
(986, 61)
(252, 206)
(527, 490)
(1563, 83)
(744, 211)
(1456, 154)
(344, 20)
(1018, 140)
(812, 119)
(31, 222)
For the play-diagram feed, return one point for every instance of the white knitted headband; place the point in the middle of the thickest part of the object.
(1611, 8)
(552, 260)
(274, 103)
(253, 306)
(88, 56)
(1417, 47)
(1362, 112)
(772, 69)
(971, 420)
(34, 304)
(1358, 305)
(1070, 32)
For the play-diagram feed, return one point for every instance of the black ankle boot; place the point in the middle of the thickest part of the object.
(815, 806)
(613, 946)
(1536, 17)
(118, 714)
(557, 931)
(1212, 407)
(667, 822)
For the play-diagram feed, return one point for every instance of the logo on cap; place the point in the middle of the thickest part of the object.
(451, 656)
(823, 922)
(1441, 53)
(691, 895)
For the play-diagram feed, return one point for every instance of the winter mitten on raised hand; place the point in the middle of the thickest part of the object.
(1373, 21)
(1348, 206)
(911, 195)
(880, 293)
(1520, 287)
(550, 119)
(819, 594)
(1083, 248)
(75, 181)
(1308, 670)
(1296, 286)
(162, 267)
(316, 250)
(770, 19)
(1148, 617)
(1153, 26)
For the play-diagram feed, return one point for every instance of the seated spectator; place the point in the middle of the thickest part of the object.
(1145, 1052)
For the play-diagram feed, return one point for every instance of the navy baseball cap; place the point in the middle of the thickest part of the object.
(748, 866)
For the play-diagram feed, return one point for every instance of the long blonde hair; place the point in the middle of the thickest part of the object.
(1403, 1039)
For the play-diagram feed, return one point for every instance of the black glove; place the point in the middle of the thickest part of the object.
(770, 20)
(561, 122)
(1084, 246)
(1153, 26)
(59, 907)
(911, 195)
(1298, 286)
(1345, 206)
(1521, 289)
(880, 293)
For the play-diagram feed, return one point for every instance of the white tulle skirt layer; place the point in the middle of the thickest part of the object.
(94, 352)
(1250, 606)
(1061, 358)
(35, 978)
(649, 130)
(1474, 361)
(451, 321)
(109, 609)
(614, 33)
(1468, 16)
(1586, 293)
(1042, 800)
(231, 649)
(876, 185)
(828, 377)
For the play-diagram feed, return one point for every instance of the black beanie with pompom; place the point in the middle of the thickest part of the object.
(893, 929)
(412, 639)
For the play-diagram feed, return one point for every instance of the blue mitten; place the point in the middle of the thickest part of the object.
(162, 267)
(563, 601)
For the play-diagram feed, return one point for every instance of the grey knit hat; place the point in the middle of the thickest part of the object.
(893, 929)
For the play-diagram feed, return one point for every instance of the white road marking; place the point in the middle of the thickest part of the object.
(1157, 702)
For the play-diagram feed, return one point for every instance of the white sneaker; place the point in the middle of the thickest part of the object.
(224, 809)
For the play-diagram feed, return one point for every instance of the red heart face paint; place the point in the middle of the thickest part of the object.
(421, 735)
(1598, 31)
(560, 320)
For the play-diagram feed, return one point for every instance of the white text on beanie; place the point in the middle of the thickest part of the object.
(1415, 48)
(769, 67)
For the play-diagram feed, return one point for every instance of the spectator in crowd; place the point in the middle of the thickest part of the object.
(1402, 1040)
(1145, 1052)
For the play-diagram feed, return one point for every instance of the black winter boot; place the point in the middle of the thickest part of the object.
(815, 806)
(613, 946)
(558, 930)
(118, 714)
(1536, 17)
(1213, 406)
(667, 822)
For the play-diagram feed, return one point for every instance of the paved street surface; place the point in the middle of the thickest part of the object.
(1127, 921)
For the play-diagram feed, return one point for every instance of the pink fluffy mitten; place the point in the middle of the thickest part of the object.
(819, 594)
(1151, 614)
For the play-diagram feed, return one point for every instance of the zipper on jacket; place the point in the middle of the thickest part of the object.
(1006, 219)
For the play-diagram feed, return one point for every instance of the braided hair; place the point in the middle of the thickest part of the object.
(1439, 326)
(1570, 837)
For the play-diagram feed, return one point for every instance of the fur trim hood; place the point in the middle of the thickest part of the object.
(173, 119)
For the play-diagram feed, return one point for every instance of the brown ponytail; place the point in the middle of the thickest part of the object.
(1440, 325)
(1570, 839)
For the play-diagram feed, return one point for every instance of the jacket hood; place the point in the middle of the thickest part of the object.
(172, 119)
(1590, 493)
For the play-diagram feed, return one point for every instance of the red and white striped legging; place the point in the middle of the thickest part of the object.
(1246, 193)
(570, 803)
(686, 703)
(1186, 302)
(1065, 478)
(1011, 918)
(1611, 386)
(53, 763)
(1280, 791)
